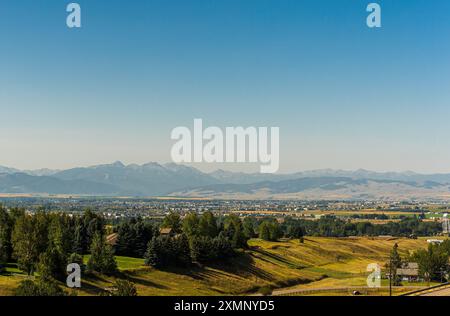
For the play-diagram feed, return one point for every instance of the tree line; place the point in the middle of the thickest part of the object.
(329, 226)
(433, 262)
(47, 242)
(178, 242)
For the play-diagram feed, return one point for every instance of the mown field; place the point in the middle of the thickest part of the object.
(318, 263)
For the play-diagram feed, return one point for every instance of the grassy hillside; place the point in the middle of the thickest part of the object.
(317, 263)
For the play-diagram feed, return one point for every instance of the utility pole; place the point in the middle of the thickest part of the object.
(390, 276)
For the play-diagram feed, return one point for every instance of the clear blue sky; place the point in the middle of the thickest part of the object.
(344, 96)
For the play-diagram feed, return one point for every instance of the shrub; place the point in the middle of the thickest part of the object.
(265, 290)
(125, 288)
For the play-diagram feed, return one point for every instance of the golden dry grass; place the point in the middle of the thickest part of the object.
(317, 263)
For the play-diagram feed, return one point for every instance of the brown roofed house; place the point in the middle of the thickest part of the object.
(112, 239)
(166, 231)
(409, 272)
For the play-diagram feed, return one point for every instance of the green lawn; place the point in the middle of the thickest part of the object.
(124, 263)
(11, 268)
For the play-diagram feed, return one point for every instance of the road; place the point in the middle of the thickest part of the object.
(336, 289)
(442, 292)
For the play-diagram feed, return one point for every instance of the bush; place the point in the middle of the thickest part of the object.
(41, 287)
(266, 290)
(125, 288)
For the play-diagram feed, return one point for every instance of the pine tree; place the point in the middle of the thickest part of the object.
(153, 253)
(5, 236)
(269, 230)
(61, 234)
(125, 238)
(191, 225)
(142, 234)
(208, 225)
(172, 220)
(183, 253)
(92, 224)
(78, 242)
(233, 229)
(396, 263)
(102, 257)
(195, 249)
(264, 231)
(223, 247)
(248, 226)
(109, 264)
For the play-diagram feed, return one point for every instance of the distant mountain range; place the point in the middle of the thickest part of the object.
(155, 179)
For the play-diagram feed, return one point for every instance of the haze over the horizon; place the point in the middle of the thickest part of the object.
(214, 168)
(344, 96)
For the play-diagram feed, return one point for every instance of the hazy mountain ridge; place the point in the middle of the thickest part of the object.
(141, 180)
(25, 183)
(153, 179)
(325, 188)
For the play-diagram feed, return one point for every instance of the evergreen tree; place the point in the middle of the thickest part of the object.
(41, 221)
(269, 230)
(172, 220)
(223, 247)
(208, 225)
(133, 237)
(93, 224)
(183, 254)
(102, 257)
(78, 239)
(191, 225)
(264, 231)
(164, 251)
(153, 255)
(202, 249)
(295, 231)
(395, 262)
(5, 236)
(143, 234)
(125, 240)
(61, 234)
(248, 226)
(234, 231)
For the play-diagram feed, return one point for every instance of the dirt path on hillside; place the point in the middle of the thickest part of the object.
(339, 289)
(443, 292)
